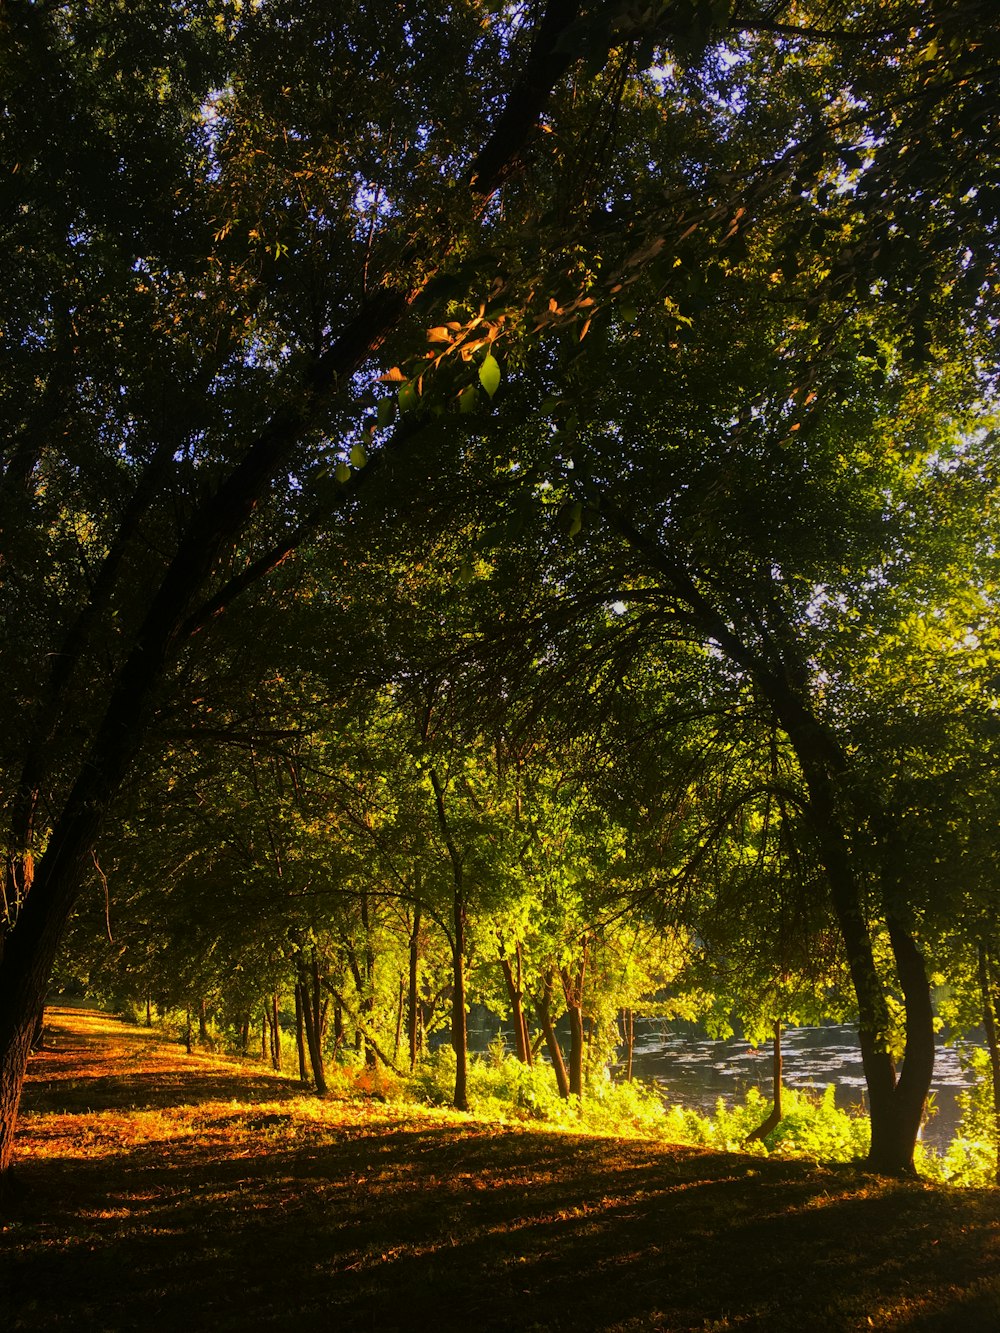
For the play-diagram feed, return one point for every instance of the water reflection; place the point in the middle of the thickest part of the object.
(694, 1071)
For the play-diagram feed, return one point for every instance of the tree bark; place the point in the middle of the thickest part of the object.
(300, 1034)
(413, 1000)
(515, 994)
(544, 1008)
(366, 984)
(773, 1120)
(366, 1001)
(459, 1029)
(628, 1034)
(312, 1017)
(573, 990)
(988, 995)
(400, 1005)
(275, 1034)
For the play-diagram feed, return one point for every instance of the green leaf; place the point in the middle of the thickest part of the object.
(489, 374)
(468, 399)
(342, 472)
(359, 457)
(385, 412)
(407, 397)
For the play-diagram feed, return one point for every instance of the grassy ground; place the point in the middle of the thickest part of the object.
(159, 1191)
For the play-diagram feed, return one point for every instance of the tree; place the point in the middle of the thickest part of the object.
(241, 260)
(749, 528)
(229, 220)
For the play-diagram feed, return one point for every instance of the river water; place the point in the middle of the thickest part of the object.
(695, 1071)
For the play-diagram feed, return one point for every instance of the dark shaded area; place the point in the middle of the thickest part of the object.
(277, 1223)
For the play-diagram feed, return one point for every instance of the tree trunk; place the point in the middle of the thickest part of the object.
(783, 676)
(300, 1034)
(401, 1002)
(628, 1034)
(544, 1007)
(573, 990)
(894, 1155)
(459, 1028)
(38, 1036)
(774, 1119)
(202, 1023)
(275, 1035)
(413, 1001)
(515, 994)
(312, 1016)
(366, 1005)
(989, 1001)
(896, 1106)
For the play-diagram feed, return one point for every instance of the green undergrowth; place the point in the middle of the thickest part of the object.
(812, 1127)
(503, 1090)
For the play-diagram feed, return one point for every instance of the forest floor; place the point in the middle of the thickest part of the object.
(157, 1190)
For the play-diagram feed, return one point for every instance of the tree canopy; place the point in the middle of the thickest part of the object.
(505, 467)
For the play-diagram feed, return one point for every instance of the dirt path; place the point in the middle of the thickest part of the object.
(158, 1191)
(93, 1062)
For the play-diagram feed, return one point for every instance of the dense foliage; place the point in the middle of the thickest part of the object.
(499, 503)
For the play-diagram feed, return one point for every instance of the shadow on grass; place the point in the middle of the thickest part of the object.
(372, 1227)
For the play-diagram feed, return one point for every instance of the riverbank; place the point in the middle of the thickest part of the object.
(159, 1191)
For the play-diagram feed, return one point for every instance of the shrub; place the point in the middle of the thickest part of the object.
(971, 1157)
(502, 1088)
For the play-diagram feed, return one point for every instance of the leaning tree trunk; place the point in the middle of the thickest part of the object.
(28, 952)
(783, 676)
(544, 1007)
